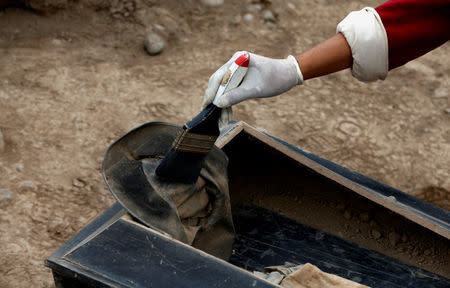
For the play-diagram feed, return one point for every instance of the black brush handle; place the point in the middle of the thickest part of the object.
(185, 159)
(206, 122)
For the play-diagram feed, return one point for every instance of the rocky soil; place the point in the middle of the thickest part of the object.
(74, 76)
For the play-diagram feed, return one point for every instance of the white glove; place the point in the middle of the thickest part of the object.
(266, 77)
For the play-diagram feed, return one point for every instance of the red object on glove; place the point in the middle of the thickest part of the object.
(414, 27)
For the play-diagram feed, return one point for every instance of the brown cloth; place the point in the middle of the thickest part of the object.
(309, 276)
(304, 276)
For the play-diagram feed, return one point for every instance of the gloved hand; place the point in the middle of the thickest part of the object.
(266, 77)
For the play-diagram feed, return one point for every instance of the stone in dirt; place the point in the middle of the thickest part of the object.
(376, 234)
(394, 238)
(254, 8)
(19, 167)
(404, 238)
(248, 17)
(154, 44)
(77, 182)
(5, 194)
(364, 217)
(28, 185)
(268, 16)
(212, 3)
(347, 214)
(440, 92)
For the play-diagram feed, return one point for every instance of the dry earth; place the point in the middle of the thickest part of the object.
(74, 76)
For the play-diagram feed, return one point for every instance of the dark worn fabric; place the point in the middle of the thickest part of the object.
(203, 208)
(198, 214)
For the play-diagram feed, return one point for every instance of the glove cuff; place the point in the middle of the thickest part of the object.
(366, 35)
(297, 68)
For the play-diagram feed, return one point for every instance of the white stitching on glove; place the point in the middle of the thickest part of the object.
(266, 77)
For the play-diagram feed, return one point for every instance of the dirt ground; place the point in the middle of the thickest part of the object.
(74, 76)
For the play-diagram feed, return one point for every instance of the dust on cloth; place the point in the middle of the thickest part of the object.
(203, 212)
(304, 276)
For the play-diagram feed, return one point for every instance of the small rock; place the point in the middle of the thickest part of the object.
(394, 238)
(376, 234)
(404, 238)
(236, 20)
(427, 252)
(2, 142)
(357, 231)
(248, 17)
(18, 167)
(129, 6)
(5, 194)
(57, 42)
(447, 111)
(28, 185)
(254, 8)
(154, 44)
(77, 182)
(364, 217)
(212, 3)
(268, 16)
(440, 92)
(348, 214)
(340, 206)
(159, 28)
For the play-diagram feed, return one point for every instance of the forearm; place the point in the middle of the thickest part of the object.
(329, 56)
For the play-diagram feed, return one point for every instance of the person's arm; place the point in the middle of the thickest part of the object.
(414, 27)
(370, 41)
(328, 57)
(268, 77)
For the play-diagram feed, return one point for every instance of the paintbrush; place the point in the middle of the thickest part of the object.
(183, 162)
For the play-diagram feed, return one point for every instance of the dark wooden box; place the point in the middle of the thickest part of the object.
(288, 206)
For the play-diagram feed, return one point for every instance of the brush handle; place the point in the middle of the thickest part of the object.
(234, 75)
(205, 122)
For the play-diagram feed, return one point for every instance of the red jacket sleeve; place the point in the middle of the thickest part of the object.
(414, 27)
